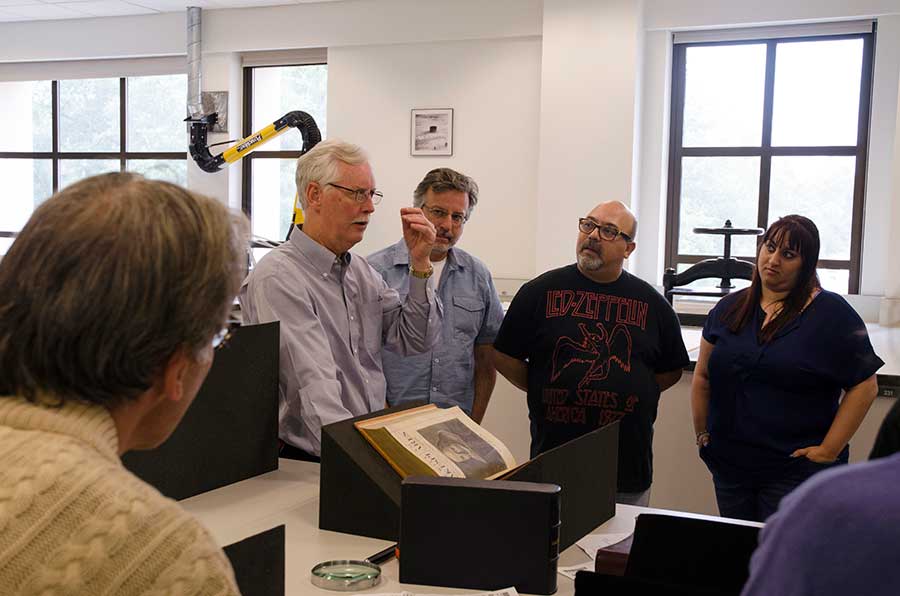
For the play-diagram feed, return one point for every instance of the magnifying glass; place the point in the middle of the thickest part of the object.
(345, 575)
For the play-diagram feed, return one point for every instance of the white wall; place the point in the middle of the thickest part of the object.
(493, 87)
(650, 197)
(327, 24)
(881, 190)
(591, 51)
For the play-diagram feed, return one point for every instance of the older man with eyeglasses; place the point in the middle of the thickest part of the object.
(336, 312)
(592, 344)
(460, 370)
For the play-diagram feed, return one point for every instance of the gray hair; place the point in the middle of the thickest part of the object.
(108, 279)
(443, 180)
(320, 164)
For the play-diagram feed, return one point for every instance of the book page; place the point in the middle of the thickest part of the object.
(451, 443)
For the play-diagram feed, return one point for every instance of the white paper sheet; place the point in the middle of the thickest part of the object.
(591, 543)
(571, 571)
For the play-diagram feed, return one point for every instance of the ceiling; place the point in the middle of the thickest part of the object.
(44, 10)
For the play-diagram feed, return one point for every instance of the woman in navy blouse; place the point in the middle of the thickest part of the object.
(774, 360)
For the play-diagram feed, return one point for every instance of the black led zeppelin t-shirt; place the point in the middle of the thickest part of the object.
(593, 350)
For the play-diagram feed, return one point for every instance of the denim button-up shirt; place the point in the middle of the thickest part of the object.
(472, 315)
(336, 315)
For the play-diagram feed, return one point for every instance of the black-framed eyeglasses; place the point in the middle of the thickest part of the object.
(360, 194)
(607, 231)
(457, 218)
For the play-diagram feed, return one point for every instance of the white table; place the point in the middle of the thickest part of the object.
(290, 496)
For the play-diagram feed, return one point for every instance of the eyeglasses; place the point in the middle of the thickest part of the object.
(458, 219)
(607, 232)
(360, 194)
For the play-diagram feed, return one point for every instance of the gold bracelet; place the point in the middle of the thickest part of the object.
(421, 274)
(700, 435)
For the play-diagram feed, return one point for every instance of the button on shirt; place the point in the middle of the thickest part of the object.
(472, 316)
(336, 314)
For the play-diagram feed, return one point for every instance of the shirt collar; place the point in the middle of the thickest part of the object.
(320, 257)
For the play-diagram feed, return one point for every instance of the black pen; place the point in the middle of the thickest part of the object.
(382, 556)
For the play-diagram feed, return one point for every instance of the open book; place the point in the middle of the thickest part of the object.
(431, 441)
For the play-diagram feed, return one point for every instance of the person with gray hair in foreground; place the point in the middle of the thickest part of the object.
(111, 300)
(336, 312)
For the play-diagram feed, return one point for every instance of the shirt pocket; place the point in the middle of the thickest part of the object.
(467, 316)
(371, 324)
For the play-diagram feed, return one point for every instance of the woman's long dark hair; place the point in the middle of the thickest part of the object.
(800, 234)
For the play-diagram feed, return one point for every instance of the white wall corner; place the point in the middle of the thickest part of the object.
(880, 251)
(587, 116)
(654, 151)
(633, 263)
(889, 313)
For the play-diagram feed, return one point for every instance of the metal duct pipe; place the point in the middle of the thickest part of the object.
(194, 100)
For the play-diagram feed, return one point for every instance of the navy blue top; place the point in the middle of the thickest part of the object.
(768, 400)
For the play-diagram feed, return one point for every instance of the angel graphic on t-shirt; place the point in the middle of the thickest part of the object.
(600, 349)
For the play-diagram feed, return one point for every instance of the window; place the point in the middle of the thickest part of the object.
(765, 128)
(268, 188)
(63, 131)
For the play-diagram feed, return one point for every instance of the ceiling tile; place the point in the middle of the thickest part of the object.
(248, 3)
(107, 8)
(45, 11)
(170, 5)
(25, 10)
(6, 17)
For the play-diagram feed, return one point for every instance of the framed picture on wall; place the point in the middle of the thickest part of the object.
(431, 132)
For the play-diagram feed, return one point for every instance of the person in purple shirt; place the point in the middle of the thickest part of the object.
(838, 534)
(459, 371)
(337, 315)
(774, 360)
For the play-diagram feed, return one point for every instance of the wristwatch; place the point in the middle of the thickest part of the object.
(421, 274)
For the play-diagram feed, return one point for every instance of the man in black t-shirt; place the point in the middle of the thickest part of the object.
(591, 344)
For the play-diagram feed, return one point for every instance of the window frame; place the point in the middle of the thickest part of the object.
(765, 151)
(55, 155)
(247, 130)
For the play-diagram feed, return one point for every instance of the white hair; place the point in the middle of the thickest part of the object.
(320, 164)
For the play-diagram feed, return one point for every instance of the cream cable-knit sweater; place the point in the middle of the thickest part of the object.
(73, 520)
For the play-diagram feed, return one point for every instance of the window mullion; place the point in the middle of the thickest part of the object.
(862, 145)
(122, 117)
(54, 133)
(675, 154)
(765, 162)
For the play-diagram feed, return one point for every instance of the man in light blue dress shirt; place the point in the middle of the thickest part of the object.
(336, 312)
(460, 370)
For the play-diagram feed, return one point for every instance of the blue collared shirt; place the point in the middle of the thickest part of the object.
(337, 315)
(472, 315)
